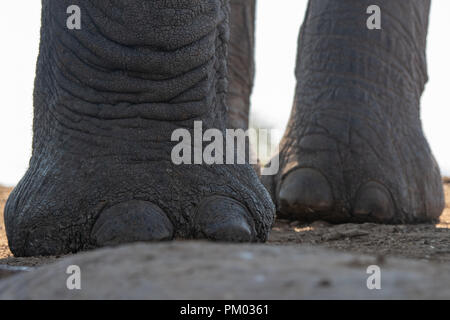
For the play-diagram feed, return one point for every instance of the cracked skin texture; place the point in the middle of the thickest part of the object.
(108, 96)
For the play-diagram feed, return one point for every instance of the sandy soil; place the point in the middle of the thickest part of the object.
(419, 242)
(191, 270)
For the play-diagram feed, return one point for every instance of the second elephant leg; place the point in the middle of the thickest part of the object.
(354, 149)
(241, 66)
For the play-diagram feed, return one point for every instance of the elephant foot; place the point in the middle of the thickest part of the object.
(349, 167)
(102, 170)
(66, 203)
(354, 149)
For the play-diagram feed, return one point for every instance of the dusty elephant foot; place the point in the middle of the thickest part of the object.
(65, 205)
(348, 168)
(102, 171)
(354, 149)
(373, 177)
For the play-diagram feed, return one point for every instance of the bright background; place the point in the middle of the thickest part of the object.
(277, 31)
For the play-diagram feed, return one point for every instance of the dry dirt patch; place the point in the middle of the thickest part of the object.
(203, 270)
(4, 251)
(424, 242)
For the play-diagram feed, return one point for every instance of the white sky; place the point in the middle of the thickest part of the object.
(277, 31)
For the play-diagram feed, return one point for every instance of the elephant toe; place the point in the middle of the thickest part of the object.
(304, 192)
(224, 219)
(374, 203)
(131, 221)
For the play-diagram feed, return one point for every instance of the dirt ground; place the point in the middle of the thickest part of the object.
(192, 270)
(418, 242)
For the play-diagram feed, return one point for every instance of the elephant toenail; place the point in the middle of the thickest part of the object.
(374, 202)
(304, 191)
(224, 219)
(131, 221)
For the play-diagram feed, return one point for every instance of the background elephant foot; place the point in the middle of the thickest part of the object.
(346, 166)
(354, 149)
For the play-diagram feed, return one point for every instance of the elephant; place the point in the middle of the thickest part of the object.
(108, 96)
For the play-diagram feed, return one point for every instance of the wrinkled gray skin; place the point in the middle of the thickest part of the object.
(354, 149)
(108, 97)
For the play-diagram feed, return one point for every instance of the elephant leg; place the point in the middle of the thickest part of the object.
(108, 98)
(354, 149)
(241, 65)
